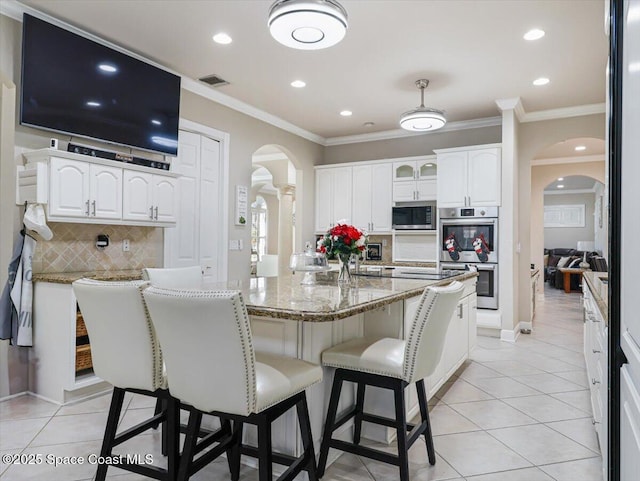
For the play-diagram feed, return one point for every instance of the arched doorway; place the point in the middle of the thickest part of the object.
(276, 178)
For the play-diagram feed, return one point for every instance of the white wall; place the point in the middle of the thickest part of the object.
(569, 236)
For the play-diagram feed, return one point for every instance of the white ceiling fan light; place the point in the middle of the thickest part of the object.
(307, 24)
(422, 119)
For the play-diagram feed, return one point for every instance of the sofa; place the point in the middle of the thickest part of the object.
(568, 257)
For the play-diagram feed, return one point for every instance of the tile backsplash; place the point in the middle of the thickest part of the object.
(73, 248)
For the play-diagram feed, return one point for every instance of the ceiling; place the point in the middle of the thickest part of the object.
(567, 148)
(571, 182)
(472, 51)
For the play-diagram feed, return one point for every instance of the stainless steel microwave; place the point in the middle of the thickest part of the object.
(413, 218)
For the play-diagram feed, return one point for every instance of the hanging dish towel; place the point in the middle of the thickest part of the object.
(8, 312)
(22, 296)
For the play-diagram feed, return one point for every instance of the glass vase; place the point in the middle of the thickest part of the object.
(344, 276)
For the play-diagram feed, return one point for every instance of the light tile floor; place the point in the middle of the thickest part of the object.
(515, 411)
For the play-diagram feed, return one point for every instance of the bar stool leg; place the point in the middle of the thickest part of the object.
(328, 425)
(172, 407)
(235, 455)
(265, 453)
(190, 442)
(401, 429)
(307, 437)
(110, 431)
(424, 414)
(357, 430)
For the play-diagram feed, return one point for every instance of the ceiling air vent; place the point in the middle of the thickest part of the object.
(214, 80)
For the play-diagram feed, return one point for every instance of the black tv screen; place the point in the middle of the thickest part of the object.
(73, 85)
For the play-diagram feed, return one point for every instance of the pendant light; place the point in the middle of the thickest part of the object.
(307, 24)
(422, 119)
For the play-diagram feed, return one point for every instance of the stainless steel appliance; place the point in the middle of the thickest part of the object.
(413, 218)
(487, 286)
(465, 225)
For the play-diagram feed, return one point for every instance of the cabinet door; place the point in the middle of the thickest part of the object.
(473, 321)
(165, 198)
(452, 179)
(69, 188)
(484, 177)
(381, 197)
(324, 200)
(362, 190)
(629, 425)
(426, 169)
(105, 186)
(404, 171)
(137, 196)
(427, 189)
(342, 194)
(404, 191)
(457, 340)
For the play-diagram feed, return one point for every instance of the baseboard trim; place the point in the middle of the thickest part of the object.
(510, 335)
(11, 396)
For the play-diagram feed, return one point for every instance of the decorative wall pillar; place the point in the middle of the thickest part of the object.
(286, 196)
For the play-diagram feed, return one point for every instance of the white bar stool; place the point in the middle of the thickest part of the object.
(391, 364)
(211, 365)
(174, 277)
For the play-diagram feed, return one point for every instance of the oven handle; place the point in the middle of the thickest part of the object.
(467, 221)
(485, 267)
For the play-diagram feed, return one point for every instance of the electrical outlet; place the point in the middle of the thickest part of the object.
(125, 245)
(384, 242)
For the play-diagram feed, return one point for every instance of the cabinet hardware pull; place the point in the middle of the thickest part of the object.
(460, 311)
(87, 203)
(156, 212)
(372, 226)
(594, 422)
(93, 206)
(595, 351)
(594, 381)
(151, 212)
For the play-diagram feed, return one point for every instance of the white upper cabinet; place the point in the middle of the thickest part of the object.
(333, 197)
(82, 190)
(414, 180)
(99, 191)
(372, 197)
(469, 177)
(149, 197)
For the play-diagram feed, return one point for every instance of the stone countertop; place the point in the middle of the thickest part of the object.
(391, 264)
(284, 297)
(594, 287)
(69, 277)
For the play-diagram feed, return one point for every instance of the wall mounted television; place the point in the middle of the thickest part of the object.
(73, 85)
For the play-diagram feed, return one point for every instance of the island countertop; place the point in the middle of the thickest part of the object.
(283, 297)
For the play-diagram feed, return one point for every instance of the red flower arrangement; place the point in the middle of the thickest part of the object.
(342, 239)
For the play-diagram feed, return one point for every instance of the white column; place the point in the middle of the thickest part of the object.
(285, 226)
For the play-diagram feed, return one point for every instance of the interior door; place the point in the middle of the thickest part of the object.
(209, 208)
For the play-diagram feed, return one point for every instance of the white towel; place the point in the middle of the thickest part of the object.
(35, 220)
(22, 294)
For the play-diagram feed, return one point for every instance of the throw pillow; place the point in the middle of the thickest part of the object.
(575, 262)
(553, 260)
(563, 262)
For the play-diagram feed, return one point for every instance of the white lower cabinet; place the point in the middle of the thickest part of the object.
(596, 359)
(52, 360)
(629, 426)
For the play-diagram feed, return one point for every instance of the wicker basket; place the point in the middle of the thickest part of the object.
(83, 358)
(81, 328)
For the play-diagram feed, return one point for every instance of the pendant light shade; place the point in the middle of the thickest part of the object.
(307, 24)
(422, 119)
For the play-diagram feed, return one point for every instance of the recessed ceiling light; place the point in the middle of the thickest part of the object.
(107, 68)
(580, 147)
(298, 84)
(369, 124)
(93, 103)
(560, 186)
(541, 81)
(222, 38)
(560, 179)
(156, 122)
(346, 113)
(534, 34)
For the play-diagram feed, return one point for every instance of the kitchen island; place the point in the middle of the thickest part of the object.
(287, 318)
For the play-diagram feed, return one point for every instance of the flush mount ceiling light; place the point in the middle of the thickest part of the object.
(307, 24)
(422, 119)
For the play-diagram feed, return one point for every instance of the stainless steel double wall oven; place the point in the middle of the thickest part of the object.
(469, 237)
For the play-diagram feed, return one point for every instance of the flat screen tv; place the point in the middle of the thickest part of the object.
(76, 86)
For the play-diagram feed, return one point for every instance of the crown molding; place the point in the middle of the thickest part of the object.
(400, 133)
(244, 108)
(563, 113)
(14, 10)
(514, 104)
(568, 160)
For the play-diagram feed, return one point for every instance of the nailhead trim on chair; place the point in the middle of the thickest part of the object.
(370, 371)
(159, 379)
(244, 328)
(417, 329)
